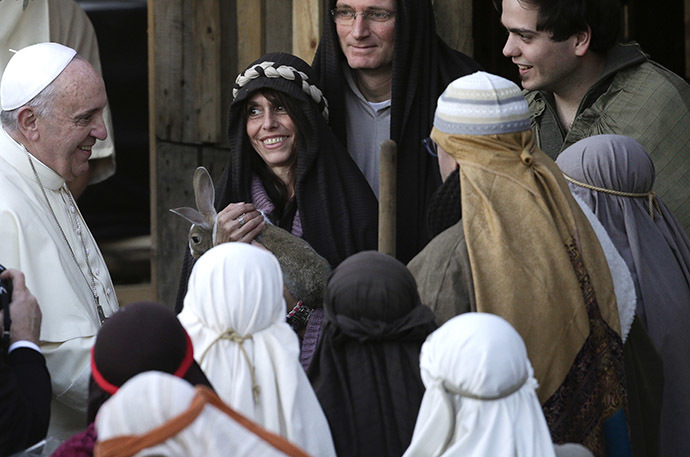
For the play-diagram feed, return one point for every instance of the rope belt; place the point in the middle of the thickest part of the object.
(463, 393)
(650, 196)
(235, 337)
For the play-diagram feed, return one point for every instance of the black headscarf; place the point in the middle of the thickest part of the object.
(423, 65)
(140, 337)
(338, 210)
(366, 369)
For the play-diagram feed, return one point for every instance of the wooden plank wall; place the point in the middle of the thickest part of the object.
(187, 92)
(306, 27)
(687, 38)
(196, 49)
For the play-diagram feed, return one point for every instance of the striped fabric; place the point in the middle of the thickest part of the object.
(481, 104)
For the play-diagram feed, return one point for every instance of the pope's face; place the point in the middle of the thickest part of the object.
(74, 121)
(367, 45)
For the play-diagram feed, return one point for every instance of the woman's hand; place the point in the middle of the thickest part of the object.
(239, 222)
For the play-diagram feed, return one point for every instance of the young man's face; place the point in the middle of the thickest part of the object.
(544, 64)
(367, 45)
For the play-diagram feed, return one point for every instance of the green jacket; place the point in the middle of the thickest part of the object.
(635, 97)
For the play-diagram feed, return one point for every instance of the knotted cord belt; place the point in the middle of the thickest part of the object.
(235, 337)
(650, 196)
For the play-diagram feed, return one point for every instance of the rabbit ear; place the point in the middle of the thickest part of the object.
(204, 193)
(193, 216)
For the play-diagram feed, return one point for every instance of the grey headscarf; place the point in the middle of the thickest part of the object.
(657, 252)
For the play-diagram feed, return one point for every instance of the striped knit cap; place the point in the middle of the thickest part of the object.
(481, 104)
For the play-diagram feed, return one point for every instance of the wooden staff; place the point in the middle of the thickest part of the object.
(388, 178)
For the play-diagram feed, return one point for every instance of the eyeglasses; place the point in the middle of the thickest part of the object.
(430, 146)
(347, 16)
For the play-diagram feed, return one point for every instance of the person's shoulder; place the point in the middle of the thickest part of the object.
(651, 78)
(441, 248)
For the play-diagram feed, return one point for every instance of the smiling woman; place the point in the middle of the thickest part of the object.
(273, 135)
(285, 162)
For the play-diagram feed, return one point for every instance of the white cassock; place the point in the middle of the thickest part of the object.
(31, 241)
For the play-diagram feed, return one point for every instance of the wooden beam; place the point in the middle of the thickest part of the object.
(250, 32)
(207, 81)
(153, 175)
(176, 164)
(687, 38)
(454, 24)
(306, 28)
(165, 56)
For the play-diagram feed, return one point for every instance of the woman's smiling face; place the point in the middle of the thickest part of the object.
(271, 131)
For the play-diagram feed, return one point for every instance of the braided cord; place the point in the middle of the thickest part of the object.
(266, 69)
(650, 196)
(235, 337)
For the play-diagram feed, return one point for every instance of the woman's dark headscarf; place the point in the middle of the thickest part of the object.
(366, 369)
(139, 337)
(423, 65)
(337, 207)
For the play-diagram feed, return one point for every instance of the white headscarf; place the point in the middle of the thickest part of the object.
(236, 291)
(480, 395)
(153, 398)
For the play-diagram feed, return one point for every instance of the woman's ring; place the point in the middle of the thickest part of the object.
(241, 220)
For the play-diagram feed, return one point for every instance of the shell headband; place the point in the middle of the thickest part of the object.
(266, 69)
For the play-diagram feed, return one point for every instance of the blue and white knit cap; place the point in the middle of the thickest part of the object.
(482, 104)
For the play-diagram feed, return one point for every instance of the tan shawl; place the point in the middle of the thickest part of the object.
(524, 234)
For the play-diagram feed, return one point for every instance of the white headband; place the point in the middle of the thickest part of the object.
(282, 71)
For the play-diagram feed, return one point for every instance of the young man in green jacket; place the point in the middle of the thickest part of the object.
(580, 81)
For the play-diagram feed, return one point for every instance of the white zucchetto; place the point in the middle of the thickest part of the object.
(30, 70)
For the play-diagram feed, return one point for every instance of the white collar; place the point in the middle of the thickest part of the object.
(17, 155)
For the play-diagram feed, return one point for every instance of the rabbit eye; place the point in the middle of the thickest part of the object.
(195, 239)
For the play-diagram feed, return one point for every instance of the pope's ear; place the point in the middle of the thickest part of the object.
(27, 122)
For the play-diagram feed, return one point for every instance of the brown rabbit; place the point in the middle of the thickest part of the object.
(305, 272)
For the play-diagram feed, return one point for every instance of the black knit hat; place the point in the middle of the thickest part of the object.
(140, 337)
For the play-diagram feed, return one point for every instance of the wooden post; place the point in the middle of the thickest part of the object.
(306, 28)
(151, 14)
(206, 102)
(388, 178)
(250, 32)
(687, 38)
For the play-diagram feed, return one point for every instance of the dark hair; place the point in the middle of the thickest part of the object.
(277, 191)
(564, 18)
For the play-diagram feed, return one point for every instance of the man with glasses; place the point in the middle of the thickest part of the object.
(382, 67)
